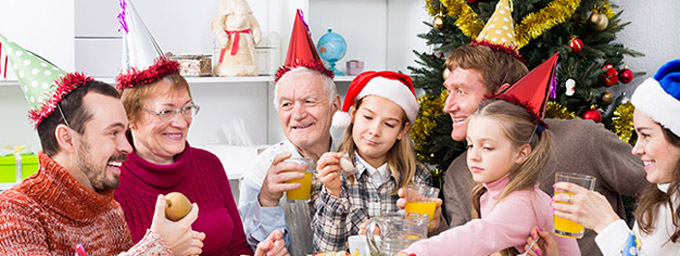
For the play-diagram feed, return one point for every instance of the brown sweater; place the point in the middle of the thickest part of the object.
(50, 213)
(579, 146)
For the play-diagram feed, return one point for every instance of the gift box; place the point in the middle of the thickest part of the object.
(12, 165)
(354, 67)
(193, 65)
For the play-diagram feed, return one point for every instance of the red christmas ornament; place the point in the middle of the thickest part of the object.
(575, 44)
(593, 114)
(626, 75)
(610, 75)
(472, 1)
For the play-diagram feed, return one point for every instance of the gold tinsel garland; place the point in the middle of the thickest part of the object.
(467, 20)
(622, 122)
(531, 26)
(606, 8)
(535, 23)
(430, 107)
(557, 111)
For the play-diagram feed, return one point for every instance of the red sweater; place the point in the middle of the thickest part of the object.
(199, 175)
(50, 213)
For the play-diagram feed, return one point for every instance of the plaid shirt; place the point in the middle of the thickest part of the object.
(336, 219)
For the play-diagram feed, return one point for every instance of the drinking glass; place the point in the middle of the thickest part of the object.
(564, 227)
(302, 193)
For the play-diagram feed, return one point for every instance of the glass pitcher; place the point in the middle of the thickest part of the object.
(398, 230)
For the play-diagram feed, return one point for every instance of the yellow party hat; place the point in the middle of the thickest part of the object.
(499, 31)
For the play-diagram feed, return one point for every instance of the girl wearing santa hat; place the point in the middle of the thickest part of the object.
(376, 140)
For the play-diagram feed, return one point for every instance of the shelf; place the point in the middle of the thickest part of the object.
(203, 80)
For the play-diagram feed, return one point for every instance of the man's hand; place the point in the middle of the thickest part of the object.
(328, 169)
(272, 246)
(275, 184)
(180, 237)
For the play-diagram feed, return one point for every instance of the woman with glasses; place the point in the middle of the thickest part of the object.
(160, 115)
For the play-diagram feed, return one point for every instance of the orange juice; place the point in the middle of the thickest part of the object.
(303, 192)
(422, 207)
(567, 228)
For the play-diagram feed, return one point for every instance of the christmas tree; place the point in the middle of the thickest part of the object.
(590, 63)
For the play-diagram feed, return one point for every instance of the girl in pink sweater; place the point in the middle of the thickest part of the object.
(507, 147)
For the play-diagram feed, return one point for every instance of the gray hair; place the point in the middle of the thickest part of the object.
(328, 83)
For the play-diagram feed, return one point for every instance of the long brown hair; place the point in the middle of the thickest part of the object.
(520, 127)
(652, 198)
(400, 158)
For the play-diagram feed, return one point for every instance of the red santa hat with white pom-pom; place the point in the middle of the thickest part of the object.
(387, 84)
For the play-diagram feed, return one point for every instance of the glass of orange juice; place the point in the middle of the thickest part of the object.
(302, 193)
(421, 199)
(564, 227)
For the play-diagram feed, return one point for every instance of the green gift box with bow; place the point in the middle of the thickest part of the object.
(17, 162)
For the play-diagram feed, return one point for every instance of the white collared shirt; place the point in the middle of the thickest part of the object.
(376, 176)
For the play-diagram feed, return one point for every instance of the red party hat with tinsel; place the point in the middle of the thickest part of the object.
(143, 59)
(301, 50)
(43, 83)
(533, 89)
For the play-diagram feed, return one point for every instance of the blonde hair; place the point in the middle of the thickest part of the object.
(520, 127)
(400, 158)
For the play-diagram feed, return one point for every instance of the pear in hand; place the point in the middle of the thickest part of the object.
(176, 206)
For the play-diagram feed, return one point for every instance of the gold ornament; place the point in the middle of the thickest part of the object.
(622, 122)
(438, 21)
(607, 96)
(598, 21)
(446, 73)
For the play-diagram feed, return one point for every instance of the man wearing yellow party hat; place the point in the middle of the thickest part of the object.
(489, 65)
(67, 207)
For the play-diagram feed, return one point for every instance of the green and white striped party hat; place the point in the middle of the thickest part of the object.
(43, 83)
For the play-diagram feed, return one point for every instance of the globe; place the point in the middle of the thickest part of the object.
(332, 47)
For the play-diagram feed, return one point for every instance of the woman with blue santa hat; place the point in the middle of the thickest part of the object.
(657, 218)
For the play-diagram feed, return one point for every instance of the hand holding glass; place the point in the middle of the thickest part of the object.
(564, 227)
(421, 199)
(302, 193)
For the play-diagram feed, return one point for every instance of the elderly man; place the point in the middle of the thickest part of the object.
(581, 146)
(68, 206)
(306, 99)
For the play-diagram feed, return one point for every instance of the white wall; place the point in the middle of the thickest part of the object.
(654, 31)
(380, 32)
(44, 27)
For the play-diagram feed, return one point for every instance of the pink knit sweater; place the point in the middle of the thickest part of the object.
(50, 213)
(503, 224)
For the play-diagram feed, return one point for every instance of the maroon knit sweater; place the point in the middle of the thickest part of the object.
(199, 175)
(50, 213)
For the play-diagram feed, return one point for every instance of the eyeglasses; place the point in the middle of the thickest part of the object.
(167, 114)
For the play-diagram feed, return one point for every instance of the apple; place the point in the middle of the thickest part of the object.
(176, 206)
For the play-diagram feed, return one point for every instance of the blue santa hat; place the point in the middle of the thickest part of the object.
(659, 97)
